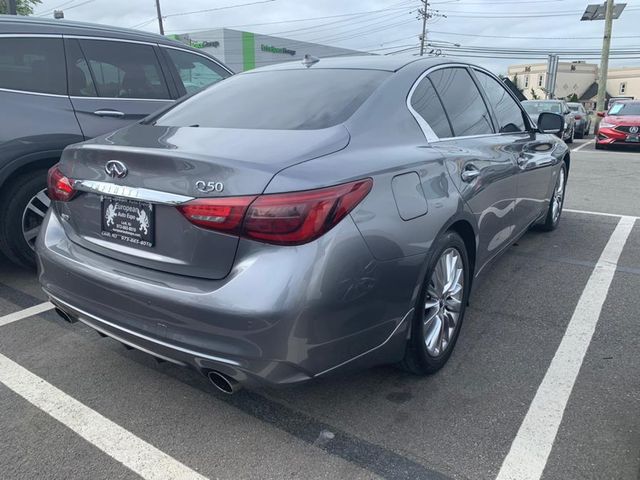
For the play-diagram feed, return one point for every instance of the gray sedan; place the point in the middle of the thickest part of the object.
(301, 219)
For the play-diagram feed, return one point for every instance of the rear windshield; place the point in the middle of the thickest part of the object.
(539, 107)
(574, 108)
(625, 109)
(280, 100)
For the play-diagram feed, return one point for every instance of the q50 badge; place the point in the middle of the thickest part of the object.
(209, 187)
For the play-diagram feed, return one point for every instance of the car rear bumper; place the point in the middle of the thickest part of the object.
(283, 315)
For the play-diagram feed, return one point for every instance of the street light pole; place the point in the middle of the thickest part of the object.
(425, 14)
(159, 17)
(604, 60)
(12, 7)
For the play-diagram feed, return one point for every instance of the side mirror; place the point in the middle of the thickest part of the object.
(601, 114)
(550, 123)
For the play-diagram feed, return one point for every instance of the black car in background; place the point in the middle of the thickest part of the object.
(582, 118)
(535, 107)
(64, 82)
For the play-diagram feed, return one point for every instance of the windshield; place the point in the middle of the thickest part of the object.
(625, 109)
(536, 108)
(278, 99)
(573, 107)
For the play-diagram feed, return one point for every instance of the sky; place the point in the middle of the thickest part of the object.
(483, 29)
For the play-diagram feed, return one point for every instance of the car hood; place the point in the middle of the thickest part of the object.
(623, 119)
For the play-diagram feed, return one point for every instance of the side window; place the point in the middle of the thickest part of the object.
(462, 101)
(508, 113)
(196, 72)
(33, 65)
(426, 103)
(123, 70)
(80, 80)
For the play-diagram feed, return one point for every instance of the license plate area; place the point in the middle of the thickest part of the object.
(633, 138)
(128, 221)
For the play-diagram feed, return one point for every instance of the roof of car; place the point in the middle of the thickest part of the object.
(22, 24)
(390, 63)
(543, 101)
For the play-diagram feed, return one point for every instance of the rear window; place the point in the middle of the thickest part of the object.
(279, 100)
(535, 108)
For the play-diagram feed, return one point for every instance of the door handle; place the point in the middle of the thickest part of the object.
(469, 173)
(521, 160)
(109, 113)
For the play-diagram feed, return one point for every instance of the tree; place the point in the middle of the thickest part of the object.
(572, 98)
(24, 7)
(534, 95)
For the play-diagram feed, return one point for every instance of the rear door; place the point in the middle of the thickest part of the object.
(482, 169)
(113, 83)
(517, 138)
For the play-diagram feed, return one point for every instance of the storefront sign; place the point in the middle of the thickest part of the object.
(272, 49)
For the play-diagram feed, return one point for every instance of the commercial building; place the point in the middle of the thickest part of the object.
(579, 78)
(242, 51)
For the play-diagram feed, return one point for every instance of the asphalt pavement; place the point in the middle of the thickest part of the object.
(74, 405)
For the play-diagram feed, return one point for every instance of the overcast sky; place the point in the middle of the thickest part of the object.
(384, 26)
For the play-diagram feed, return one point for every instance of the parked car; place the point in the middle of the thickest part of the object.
(338, 221)
(620, 125)
(64, 82)
(582, 119)
(560, 107)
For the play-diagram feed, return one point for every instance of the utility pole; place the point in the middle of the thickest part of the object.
(12, 7)
(604, 60)
(159, 17)
(424, 12)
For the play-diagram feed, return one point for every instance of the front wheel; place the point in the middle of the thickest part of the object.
(440, 308)
(556, 202)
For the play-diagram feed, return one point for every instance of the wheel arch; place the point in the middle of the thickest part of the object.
(29, 163)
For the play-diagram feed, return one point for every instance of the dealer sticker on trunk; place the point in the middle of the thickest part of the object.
(128, 221)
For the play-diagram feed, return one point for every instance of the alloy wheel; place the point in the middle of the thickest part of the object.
(443, 302)
(558, 195)
(33, 216)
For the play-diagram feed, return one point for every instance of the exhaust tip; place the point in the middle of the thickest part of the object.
(65, 316)
(223, 382)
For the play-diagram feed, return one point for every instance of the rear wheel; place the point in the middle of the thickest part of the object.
(580, 134)
(556, 202)
(440, 307)
(573, 133)
(24, 205)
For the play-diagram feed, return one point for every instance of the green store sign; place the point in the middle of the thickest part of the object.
(272, 49)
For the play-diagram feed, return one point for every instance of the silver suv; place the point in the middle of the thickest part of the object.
(64, 82)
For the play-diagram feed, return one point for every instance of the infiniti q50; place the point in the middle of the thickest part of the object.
(301, 219)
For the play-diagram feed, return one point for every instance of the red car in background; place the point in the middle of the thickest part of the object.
(620, 125)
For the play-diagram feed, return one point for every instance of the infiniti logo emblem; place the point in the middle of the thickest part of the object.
(116, 169)
(633, 130)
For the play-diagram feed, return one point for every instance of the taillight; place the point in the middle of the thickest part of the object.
(578, 117)
(60, 188)
(224, 214)
(285, 218)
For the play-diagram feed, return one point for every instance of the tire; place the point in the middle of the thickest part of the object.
(421, 358)
(573, 133)
(600, 146)
(580, 134)
(552, 219)
(16, 218)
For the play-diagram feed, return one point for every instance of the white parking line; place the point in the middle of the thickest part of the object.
(133, 452)
(28, 312)
(589, 212)
(531, 447)
(583, 145)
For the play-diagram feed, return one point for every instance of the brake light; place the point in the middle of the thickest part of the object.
(224, 214)
(578, 117)
(284, 219)
(59, 187)
(300, 217)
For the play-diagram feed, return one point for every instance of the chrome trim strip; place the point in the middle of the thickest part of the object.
(56, 301)
(122, 191)
(28, 92)
(119, 99)
(40, 35)
(109, 39)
